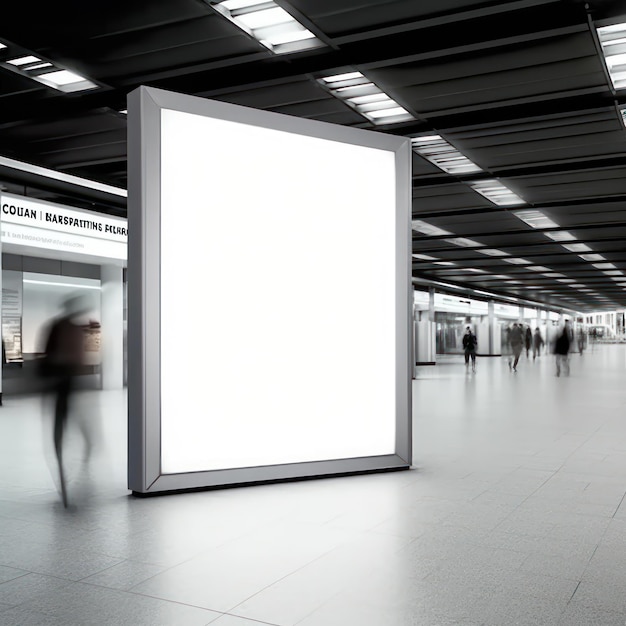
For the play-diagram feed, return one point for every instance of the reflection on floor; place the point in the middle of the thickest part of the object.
(513, 514)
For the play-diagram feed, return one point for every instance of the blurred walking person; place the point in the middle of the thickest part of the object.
(537, 343)
(469, 345)
(528, 340)
(516, 337)
(561, 350)
(582, 340)
(63, 361)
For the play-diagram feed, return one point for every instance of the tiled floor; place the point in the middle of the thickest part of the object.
(513, 514)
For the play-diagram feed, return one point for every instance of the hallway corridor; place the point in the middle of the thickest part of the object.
(512, 514)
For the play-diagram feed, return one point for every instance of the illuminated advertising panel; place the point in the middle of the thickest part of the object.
(252, 236)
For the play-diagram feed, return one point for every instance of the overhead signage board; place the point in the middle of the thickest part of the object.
(233, 395)
(48, 226)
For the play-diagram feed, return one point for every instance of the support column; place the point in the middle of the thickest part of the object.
(112, 345)
(431, 304)
(491, 320)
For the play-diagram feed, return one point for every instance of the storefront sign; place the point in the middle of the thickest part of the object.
(51, 226)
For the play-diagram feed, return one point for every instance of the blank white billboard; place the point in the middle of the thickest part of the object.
(255, 358)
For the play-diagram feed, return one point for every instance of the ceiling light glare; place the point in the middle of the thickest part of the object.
(24, 60)
(517, 261)
(539, 268)
(566, 280)
(493, 252)
(365, 97)
(463, 242)
(424, 257)
(612, 40)
(269, 24)
(577, 247)
(446, 157)
(592, 257)
(614, 273)
(554, 275)
(449, 263)
(560, 235)
(535, 219)
(65, 81)
(2, 45)
(496, 192)
(577, 285)
(473, 269)
(428, 229)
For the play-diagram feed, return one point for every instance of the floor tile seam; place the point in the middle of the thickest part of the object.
(147, 595)
(256, 593)
(248, 619)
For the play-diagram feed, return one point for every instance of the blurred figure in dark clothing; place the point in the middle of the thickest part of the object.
(528, 337)
(469, 346)
(63, 361)
(537, 342)
(561, 349)
(582, 340)
(516, 337)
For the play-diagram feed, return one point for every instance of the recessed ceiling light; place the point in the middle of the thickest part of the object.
(496, 192)
(566, 280)
(428, 229)
(538, 268)
(614, 273)
(612, 42)
(444, 263)
(577, 247)
(517, 261)
(493, 252)
(269, 24)
(463, 242)
(591, 257)
(560, 235)
(604, 266)
(24, 60)
(424, 257)
(535, 219)
(442, 154)
(365, 97)
(553, 275)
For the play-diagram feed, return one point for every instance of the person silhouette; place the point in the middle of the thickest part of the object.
(469, 346)
(64, 357)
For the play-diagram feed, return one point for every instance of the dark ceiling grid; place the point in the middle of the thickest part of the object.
(518, 87)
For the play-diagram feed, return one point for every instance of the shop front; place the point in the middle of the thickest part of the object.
(51, 253)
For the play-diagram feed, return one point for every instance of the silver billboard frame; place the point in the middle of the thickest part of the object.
(144, 208)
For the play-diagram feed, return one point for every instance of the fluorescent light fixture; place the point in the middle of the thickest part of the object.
(66, 178)
(614, 273)
(577, 285)
(424, 257)
(269, 24)
(538, 268)
(496, 192)
(560, 235)
(38, 66)
(566, 280)
(513, 282)
(535, 219)
(449, 285)
(577, 247)
(449, 263)
(517, 261)
(553, 275)
(2, 45)
(619, 279)
(24, 60)
(124, 111)
(592, 257)
(446, 157)
(492, 252)
(365, 97)
(53, 284)
(428, 229)
(463, 242)
(613, 40)
(65, 81)
(473, 269)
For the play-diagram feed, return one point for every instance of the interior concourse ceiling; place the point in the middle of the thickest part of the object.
(515, 93)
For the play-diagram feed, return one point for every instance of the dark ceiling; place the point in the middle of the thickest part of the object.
(519, 87)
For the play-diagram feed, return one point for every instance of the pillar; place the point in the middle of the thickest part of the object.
(112, 342)
(491, 319)
(431, 304)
